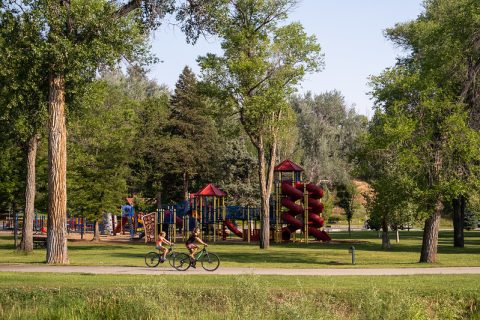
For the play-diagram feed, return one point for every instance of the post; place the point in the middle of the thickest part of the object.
(155, 223)
(15, 228)
(202, 220)
(186, 226)
(249, 224)
(214, 219)
(305, 213)
(174, 233)
(352, 251)
(162, 216)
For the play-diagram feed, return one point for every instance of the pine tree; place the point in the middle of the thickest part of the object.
(194, 138)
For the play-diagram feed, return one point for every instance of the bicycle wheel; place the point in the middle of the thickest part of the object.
(210, 261)
(181, 262)
(152, 259)
(171, 257)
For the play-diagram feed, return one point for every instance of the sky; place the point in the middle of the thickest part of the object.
(350, 33)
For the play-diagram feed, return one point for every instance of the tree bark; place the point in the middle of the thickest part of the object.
(458, 221)
(430, 235)
(397, 233)
(264, 203)
(266, 181)
(26, 245)
(349, 228)
(385, 237)
(57, 169)
(96, 232)
(185, 185)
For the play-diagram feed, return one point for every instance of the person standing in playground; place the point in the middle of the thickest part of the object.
(192, 247)
(161, 240)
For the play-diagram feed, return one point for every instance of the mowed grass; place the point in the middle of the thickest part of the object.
(287, 255)
(76, 296)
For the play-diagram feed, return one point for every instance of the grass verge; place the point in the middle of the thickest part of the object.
(76, 296)
(288, 255)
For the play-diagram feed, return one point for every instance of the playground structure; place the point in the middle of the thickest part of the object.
(292, 201)
(295, 214)
(302, 201)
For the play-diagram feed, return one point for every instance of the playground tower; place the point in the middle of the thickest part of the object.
(297, 204)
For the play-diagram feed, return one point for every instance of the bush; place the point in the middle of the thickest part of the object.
(373, 224)
(470, 220)
(333, 219)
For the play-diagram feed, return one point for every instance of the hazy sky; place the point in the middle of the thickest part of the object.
(349, 31)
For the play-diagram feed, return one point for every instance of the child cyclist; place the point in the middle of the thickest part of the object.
(192, 247)
(160, 241)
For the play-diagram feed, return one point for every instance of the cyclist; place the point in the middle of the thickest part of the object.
(160, 241)
(192, 247)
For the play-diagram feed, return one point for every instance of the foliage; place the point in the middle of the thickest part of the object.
(99, 145)
(346, 194)
(471, 220)
(421, 140)
(328, 130)
(194, 138)
(238, 174)
(262, 63)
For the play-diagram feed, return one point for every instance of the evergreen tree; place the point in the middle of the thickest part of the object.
(194, 138)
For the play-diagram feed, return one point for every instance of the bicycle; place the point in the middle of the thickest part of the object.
(209, 261)
(153, 259)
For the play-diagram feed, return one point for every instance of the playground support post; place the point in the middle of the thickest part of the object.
(277, 207)
(214, 219)
(162, 217)
(174, 233)
(305, 214)
(155, 231)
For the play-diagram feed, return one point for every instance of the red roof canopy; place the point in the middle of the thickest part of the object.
(211, 191)
(288, 165)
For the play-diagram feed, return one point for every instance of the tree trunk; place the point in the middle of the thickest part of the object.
(385, 238)
(349, 228)
(458, 221)
(264, 203)
(26, 245)
(96, 233)
(185, 185)
(430, 235)
(397, 233)
(57, 169)
(266, 181)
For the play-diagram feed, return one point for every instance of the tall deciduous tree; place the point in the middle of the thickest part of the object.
(78, 37)
(345, 199)
(261, 64)
(22, 99)
(445, 44)
(328, 131)
(100, 143)
(421, 133)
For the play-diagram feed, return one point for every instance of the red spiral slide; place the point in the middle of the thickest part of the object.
(230, 225)
(315, 208)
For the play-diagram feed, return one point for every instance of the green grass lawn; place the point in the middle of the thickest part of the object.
(290, 255)
(76, 296)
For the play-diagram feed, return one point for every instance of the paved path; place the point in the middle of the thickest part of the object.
(235, 271)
